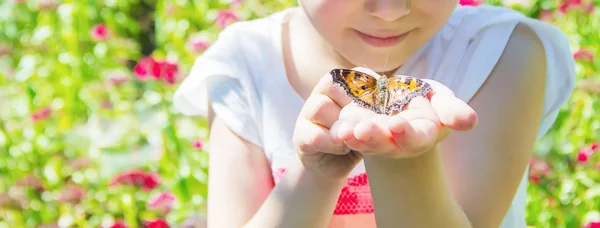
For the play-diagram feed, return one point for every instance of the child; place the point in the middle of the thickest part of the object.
(289, 149)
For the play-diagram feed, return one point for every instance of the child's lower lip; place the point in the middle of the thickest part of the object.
(381, 42)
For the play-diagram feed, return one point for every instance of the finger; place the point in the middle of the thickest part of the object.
(421, 104)
(343, 130)
(321, 110)
(399, 124)
(374, 134)
(315, 139)
(353, 111)
(416, 136)
(453, 112)
(335, 92)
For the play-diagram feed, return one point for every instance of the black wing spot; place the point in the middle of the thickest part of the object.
(364, 87)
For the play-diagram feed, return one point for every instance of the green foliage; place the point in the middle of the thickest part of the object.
(74, 116)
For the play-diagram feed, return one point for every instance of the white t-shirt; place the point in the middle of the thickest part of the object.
(244, 76)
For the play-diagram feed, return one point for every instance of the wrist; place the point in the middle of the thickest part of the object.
(402, 162)
(318, 178)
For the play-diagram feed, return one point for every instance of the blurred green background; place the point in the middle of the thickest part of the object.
(89, 138)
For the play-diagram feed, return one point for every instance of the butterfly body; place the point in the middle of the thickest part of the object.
(382, 96)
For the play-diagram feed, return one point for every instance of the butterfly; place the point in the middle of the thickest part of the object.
(383, 96)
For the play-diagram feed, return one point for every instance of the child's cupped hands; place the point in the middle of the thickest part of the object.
(332, 133)
(422, 124)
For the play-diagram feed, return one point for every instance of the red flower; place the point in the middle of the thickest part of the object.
(593, 224)
(100, 32)
(584, 153)
(118, 224)
(197, 144)
(470, 2)
(149, 68)
(145, 68)
(583, 156)
(225, 17)
(569, 4)
(41, 114)
(583, 55)
(534, 179)
(145, 180)
(163, 201)
(168, 71)
(595, 146)
(158, 223)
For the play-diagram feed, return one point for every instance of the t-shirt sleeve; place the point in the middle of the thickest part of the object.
(220, 78)
(491, 28)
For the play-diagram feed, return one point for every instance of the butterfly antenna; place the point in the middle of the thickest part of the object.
(385, 63)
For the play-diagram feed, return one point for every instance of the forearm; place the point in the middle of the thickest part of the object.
(412, 192)
(301, 199)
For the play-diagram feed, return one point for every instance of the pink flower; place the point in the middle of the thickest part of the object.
(148, 68)
(158, 223)
(590, 8)
(583, 55)
(586, 152)
(583, 156)
(164, 202)
(79, 163)
(235, 2)
(31, 181)
(470, 2)
(593, 224)
(19, 1)
(569, 4)
(534, 179)
(546, 15)
(71, 194)
(48, 4)
(100, 32)
(198, 44)
(145, 180)
(539, 167)
(225, 17)
(118, 224)
(41, 114)
(168, 71)
(595, 146)
(197, 145)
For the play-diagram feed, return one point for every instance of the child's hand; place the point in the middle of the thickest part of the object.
(424, 123)
(313, 142)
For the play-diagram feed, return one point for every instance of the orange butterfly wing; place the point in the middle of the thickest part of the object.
(402, 89)
(362, 88)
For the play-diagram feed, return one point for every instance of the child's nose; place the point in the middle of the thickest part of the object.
(389, 10)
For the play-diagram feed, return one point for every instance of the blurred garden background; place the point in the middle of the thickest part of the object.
(89, 138)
